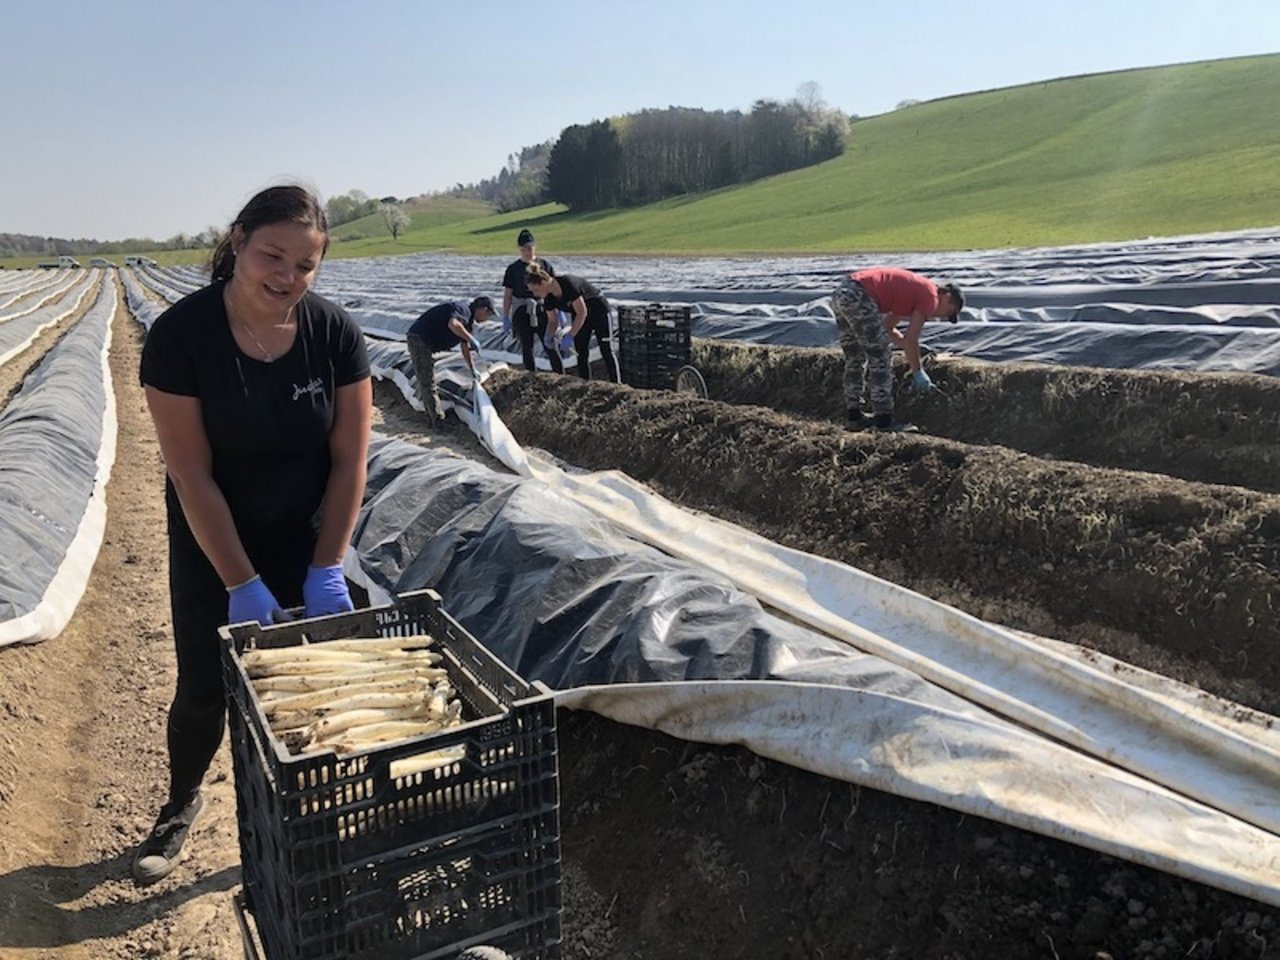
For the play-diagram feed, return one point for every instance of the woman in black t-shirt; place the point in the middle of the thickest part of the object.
(589, 310)
(526, 315)
(262, 404)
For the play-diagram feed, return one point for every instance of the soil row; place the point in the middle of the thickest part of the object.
(1170, 574)
(1212, 427)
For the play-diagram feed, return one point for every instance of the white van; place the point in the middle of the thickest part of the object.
(58, 263)
(133, 261)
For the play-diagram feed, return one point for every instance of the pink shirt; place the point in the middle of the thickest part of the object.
(898, 292)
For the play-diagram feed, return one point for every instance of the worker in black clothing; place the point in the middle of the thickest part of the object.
(586, 306)
(440, 328)
(525, 315)
(260, 394)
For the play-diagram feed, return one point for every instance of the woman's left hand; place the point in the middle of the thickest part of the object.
(325, 592)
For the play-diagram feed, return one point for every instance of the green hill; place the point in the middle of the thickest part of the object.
(1160, 151)
(425, 213)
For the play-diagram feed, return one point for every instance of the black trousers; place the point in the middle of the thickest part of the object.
(526, 331)
(597, 325)
(197, 716)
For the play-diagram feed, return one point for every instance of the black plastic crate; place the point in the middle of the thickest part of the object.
(654, 342)
(352, 858)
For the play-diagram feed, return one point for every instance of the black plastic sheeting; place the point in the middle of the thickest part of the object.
(1209, 302)
(563, 597)
(50, 441)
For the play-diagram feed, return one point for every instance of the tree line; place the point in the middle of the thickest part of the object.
(654, 154)
(27, 245)
(648, 156)
(521, 183)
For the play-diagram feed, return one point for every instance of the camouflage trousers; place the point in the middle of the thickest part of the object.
(868, 353)
(424, 372)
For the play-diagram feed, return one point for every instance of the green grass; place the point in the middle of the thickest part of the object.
(1154, 152)
(1161, 151)
(368, 236)
(166, 258)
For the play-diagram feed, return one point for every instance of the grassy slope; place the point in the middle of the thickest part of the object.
(1161, 151)
(368, 236)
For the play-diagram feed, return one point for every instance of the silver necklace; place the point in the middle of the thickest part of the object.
(266, 354)
(233, 315)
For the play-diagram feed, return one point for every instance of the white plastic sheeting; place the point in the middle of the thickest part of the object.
(20, 327)
(1067, 743)
(34, 289)
(57, 448)
(1204, 302)
(1231, 764)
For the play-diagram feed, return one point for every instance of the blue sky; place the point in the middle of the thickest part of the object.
(154, 117)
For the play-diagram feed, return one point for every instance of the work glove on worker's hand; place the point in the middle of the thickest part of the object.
(921, 384)
(566, 344)
(252, 600)
(506, 324)
(324, 591)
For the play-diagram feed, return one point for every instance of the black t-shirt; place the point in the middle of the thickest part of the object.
(433, 325)
(571, 288)
(267, 423)
(515, 276)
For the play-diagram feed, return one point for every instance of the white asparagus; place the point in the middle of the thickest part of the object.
(310, 682)
(303, 653)
(415, 703)
(312, 653)
(438, 703)
(416, 642)
(324, 698)
(372, 734)
(338, 722)
(349, 668)
(307, 719)
(424, 762)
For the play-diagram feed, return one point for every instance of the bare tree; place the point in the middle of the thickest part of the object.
(809, 96)
(394, 218)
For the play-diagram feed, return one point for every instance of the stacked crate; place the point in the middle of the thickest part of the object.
(654, 342)
(353, 858)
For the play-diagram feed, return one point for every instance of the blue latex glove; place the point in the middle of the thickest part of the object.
(253, 601)
(475, 344)
(325, 592)
(566, 345)
(921, 383)
(506, 325)
(550, 336)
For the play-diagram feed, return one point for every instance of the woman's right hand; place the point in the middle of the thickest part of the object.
(252, 600)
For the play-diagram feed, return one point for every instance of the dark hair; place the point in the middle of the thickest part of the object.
(288, 203)
(481, 303)
(535, 274)
(524, 238)
(956, 297)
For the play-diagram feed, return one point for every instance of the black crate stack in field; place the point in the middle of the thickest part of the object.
(653, 343)
(363, 856)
